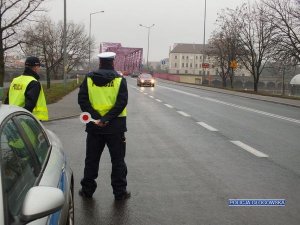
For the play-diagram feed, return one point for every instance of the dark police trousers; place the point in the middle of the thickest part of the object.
(95, 144)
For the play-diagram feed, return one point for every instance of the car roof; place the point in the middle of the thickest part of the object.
(6, 110)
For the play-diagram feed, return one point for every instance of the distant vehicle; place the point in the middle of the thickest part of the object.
(145, 79)
(36, 182)
(135, 74)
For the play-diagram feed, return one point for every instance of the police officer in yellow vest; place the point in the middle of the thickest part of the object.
(104, 94)
(26, 91)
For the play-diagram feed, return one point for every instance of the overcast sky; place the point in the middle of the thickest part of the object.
(176, 21)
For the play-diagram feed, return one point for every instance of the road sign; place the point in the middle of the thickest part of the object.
(205, 65)
(233, 64)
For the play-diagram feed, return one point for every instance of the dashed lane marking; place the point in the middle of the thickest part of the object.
(208, 127)
(169, 106)
(249, 149)
(183, 114)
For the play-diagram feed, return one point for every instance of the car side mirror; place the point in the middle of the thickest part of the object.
(41, 201)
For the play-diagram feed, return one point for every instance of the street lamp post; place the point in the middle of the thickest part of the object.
(65, 43)
(148, 27)
(90, 36)
(204, 28)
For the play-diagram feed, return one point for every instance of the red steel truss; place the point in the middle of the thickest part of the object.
(127, 59)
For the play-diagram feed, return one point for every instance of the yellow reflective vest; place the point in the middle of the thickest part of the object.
(103, 98)
(17, 96)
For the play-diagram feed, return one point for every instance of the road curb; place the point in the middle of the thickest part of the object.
(62, 118)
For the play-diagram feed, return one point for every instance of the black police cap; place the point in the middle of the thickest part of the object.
(33, 61)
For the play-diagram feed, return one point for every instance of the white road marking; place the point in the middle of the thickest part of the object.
(158, 100)
(150, 96)
(249, 149)
(169, 106)
(183, 114)
(208, 127)
(145, 93)
(236, 106)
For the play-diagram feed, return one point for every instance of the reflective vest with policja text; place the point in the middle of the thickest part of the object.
(17, 96)
(103, 98)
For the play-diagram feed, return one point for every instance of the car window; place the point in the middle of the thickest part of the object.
(17, 168)
(36, 136)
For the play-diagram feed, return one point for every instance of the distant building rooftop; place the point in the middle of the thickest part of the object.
(191, 48)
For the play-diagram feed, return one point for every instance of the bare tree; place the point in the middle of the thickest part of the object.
(219, 43)
(13, 14)
(226, 44)
(46, 40)
(256, 36)
(286, 17)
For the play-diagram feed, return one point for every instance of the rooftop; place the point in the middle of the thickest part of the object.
(190, 48)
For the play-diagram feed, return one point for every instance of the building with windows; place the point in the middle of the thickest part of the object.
(197, 59)
(192, 59)
(14, 60)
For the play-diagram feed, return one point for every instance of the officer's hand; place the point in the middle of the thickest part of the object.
(100, 123)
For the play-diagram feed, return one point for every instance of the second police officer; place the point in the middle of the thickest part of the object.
(27, 92)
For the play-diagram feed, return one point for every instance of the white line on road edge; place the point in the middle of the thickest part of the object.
(169, 106)
(236, 106)
(255, 110)
(158, 100)
(207, 126)
(183, 114)
(249, 149)
(150, 96)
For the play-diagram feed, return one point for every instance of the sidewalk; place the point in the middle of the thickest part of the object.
(66, 107)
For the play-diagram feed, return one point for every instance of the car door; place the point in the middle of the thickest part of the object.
(25, 149)
(19, 169)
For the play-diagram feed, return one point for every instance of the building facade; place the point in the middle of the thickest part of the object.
(197, 59)
(191, 59)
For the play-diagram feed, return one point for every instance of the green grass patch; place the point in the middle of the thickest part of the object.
(58, 90)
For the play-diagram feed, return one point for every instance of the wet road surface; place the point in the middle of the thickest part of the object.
(180, 172)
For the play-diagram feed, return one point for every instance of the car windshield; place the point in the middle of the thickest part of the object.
(146, 76)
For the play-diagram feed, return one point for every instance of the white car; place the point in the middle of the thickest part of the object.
(36, 182)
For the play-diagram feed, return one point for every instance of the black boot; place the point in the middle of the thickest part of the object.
(123, 196)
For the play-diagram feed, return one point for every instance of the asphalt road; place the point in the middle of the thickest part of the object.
(188, 152)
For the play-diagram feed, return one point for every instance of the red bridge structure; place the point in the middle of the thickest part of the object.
(127, 59)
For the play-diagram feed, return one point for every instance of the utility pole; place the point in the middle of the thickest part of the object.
(283, 83)
(148, 27)
(65, 43)
(204, 29)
